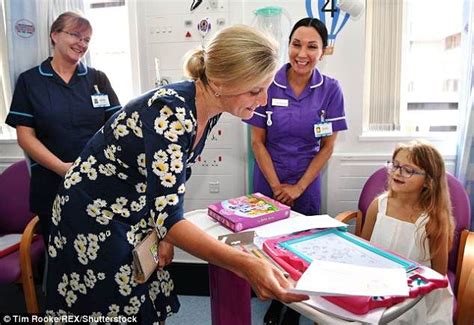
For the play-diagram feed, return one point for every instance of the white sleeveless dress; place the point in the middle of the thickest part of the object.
(404, 238)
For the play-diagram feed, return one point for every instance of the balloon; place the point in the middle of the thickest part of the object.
(330, 13)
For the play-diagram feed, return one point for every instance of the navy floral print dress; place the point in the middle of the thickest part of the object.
(129, 179)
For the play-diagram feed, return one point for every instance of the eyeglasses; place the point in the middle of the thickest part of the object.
(405, 171)
(78, 37)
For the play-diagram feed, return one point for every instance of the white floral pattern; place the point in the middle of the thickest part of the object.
(129, 179)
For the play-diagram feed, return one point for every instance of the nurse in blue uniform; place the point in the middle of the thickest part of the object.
(294, 134)
(56, 108)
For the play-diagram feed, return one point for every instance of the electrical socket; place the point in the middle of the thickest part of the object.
(214, 187)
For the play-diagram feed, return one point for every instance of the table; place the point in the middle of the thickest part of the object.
(235, 308)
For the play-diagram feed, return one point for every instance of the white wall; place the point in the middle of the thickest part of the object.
(356, 155)
(10, 152)
(167, 30)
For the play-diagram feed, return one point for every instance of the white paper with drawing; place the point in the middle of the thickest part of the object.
(329, 278)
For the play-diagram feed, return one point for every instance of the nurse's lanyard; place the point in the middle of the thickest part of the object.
(268, 116)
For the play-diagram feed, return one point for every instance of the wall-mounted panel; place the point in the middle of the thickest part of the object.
(348, 174)
(167, 31)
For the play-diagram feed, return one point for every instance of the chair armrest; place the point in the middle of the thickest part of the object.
(29, 289)
(465, 267)
(347, 216)
(465, 310)
(27, 236)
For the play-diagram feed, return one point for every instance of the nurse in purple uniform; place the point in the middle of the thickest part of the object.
(293, 136)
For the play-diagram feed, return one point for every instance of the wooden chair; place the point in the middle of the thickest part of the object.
(15, 218)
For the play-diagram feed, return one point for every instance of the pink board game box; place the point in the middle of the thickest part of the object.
(248, 211)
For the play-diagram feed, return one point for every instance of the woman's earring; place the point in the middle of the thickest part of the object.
(217, 94)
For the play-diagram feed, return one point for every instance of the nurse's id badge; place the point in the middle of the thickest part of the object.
(99, 100)
(323, 129)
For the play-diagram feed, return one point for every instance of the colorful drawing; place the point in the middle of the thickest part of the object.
(247, 207)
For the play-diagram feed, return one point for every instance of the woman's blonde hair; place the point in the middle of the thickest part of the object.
(70, 18)
(434, 199)
(236, 56)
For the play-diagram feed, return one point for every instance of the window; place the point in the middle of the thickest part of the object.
(453, 41)
(110, 47)
(414, 66)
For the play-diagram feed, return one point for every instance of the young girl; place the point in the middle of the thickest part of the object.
(413, 218)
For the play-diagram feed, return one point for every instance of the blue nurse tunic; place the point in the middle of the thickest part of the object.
(63, 117)
(290, 139)
(129, 180)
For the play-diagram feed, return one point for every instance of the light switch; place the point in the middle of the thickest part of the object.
(214, 187)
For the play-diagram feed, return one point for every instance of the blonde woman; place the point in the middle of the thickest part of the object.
(130, 179)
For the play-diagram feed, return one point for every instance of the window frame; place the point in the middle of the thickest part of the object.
(393, 26)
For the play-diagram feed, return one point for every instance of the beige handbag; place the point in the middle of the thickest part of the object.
(145, 257)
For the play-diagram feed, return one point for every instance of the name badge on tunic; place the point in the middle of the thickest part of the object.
(280, 102)
(99, 100)
(323, 129)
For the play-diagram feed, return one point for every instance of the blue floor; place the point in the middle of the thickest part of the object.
(197, 310)
(194, 309)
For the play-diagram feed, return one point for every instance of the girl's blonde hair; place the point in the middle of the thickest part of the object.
(434, 199)
(237, 56)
